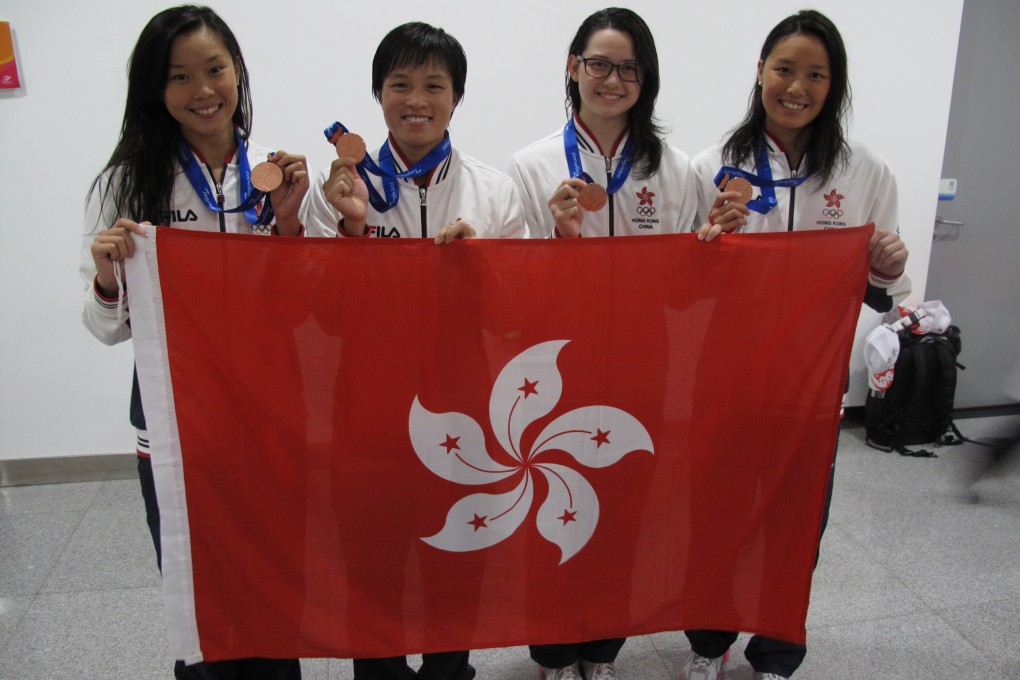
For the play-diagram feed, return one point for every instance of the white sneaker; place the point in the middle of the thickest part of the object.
(769, 676)
(570, 672)
(597, 671)
(702, 668)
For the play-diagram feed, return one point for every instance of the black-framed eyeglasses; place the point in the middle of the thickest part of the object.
(596, 67)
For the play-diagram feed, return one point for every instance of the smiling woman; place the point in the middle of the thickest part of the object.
(621, 176)
(623, 180)
(791, 146)
(416, 184)
(794, 81)
(183, 160)
(418, 88)
(418, 103)
(201, 91)
(606, 98)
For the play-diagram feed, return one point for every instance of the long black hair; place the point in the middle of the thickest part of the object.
(646, 134)
(144, 163)
(823, 140)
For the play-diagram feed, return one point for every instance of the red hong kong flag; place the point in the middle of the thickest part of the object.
(381, 446)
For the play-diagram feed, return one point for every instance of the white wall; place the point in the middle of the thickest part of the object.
(63, 393)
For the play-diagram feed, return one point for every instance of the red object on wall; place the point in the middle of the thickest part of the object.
(8, 65)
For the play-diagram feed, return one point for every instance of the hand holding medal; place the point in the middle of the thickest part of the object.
(566, 207)
(729, 210)
(344, 189)
(592, 197)
(288, 182)
(739, 186)
(267, 177)
(350, 145)
(285, 178)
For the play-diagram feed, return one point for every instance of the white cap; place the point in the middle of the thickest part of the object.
(928, 317)
(881, 349)
(935, 318)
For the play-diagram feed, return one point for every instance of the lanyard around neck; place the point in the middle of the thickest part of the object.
(763, 180)
(386, 170)
(250, 196)
(574, 159)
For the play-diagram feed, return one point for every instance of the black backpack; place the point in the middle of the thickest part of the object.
(918, 406)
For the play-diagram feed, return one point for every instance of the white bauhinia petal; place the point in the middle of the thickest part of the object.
(482, 520)
(527, 388)
(570, 511)
(452, 445)
(597, 436)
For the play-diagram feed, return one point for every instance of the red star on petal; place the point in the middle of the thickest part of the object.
(601, 438)
(645, 196)
(529, 388)
(833, 199)
(568, 516)
(479, 522)
(451, 444)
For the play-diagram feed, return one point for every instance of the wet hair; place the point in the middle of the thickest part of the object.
(645, 133)
(416, 44)
(144, 162)
(823, 140)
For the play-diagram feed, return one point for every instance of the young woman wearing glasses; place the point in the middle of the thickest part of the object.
(611, 148)
(611, 140)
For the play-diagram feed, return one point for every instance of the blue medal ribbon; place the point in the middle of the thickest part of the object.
(386, 169)
(250, 196)
(762, 180)
(577, 170)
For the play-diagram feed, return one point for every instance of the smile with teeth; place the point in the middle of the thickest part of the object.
(610, 97)
(208, 111)
(417, 119)
(792, 106)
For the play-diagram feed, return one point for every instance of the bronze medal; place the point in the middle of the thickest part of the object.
(742, 186)
(592, 197)
(266, 176)
(351, 145)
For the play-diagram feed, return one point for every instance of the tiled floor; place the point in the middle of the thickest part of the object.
(919, 578)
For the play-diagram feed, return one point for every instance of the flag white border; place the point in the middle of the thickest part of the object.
(148, 331)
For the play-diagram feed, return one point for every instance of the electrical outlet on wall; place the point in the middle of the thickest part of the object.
(947, 189)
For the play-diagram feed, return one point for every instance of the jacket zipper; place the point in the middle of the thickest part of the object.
(793, 200)
(793, 195)
(220, 198)
(423, 199)
(609, 176)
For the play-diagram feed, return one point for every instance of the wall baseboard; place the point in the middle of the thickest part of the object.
(69, 469)
(853, 416)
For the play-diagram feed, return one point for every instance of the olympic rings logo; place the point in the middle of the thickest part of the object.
(830, 212)
(645, 210)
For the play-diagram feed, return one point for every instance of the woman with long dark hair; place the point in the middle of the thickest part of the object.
(788, 166)
(609, 171)
(184, 160)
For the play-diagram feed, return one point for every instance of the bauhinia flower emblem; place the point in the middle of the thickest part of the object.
(452, 445)
(833, 198)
